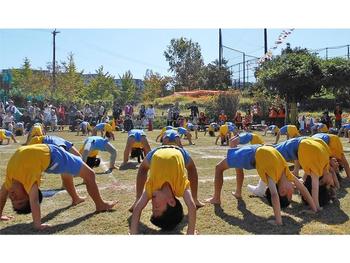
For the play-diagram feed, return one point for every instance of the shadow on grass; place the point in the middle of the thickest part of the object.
(27, 228)
(256, 224)
(146, 230)
(51, 192)
(344, 185)
(129, 165)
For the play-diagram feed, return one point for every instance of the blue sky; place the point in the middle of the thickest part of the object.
(137, 50)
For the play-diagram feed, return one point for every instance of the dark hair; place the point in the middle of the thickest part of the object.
(108, 134)
(26, 209)
(211, 133)
(93, 162)
(324, 195)
(171, 217)
(224, 140)
(137, 152)
(284, 202)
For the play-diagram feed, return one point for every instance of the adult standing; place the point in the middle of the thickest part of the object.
(61, 115)
(194, 112)
(150, 115)
(2, 112)
(169, 116)
(117, 111)
(176, 114)
(129, 110)
(338, 116)
(101, 112)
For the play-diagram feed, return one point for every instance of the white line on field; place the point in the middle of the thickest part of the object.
(227, 178)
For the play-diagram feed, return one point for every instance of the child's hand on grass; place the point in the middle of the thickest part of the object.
(5, 218)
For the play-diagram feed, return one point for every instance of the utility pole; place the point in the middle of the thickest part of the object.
(265, 40)
(220, 48)
(54, 33)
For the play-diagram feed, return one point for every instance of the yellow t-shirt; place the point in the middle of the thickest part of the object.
(93, 153)
(167, 165)
(27, 165)
(108, 128)
(256, 139)
(36, 140)
(36, 131)
(270, 163)
(2, 134)
(323, 129)
(314, 156)
(335, 146)
(137, 145)
(223, 130)
(292, 131)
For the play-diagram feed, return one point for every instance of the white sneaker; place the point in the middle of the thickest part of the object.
(255, 191)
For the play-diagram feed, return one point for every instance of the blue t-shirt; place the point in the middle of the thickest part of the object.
(97, 143)
(289, 148)
(272, 128)
(322, 136)
(171, 135)
(283, 130)
(185, 154)
(231, 128)
(245, 137)
(137, 134)
(100, 126)
(8, 133)
(181, 130)
(63, 162)
(242, 157)
(58, 141)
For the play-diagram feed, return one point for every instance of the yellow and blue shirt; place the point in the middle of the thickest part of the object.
(167, 165)
(291, 130)
(54, 140)
(248, 137)
(137, 135)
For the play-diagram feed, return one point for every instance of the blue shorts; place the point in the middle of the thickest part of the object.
(181, 131)
(8, 133)
(63, 162)
(100, 126)
(58, 142)
(283, 130)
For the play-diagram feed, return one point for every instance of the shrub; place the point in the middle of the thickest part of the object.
(228, 102)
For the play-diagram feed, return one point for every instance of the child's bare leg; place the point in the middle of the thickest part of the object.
(127, 150)
(110, 148)
(90, 180)
(140, 183)
(68, 184)
(193, 178)
(218, 181)
(75, 151)
(239, 183)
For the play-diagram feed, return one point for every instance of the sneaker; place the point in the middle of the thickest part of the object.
(255, 191)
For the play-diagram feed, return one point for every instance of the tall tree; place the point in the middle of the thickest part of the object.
(128, 88)
(185, 61)
(294, 75)
(101, 87)
(155, 86)
(29, 82)
(216, 76)
(70, 83)
(337, 77)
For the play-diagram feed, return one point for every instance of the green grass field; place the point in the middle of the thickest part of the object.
(246, 216)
